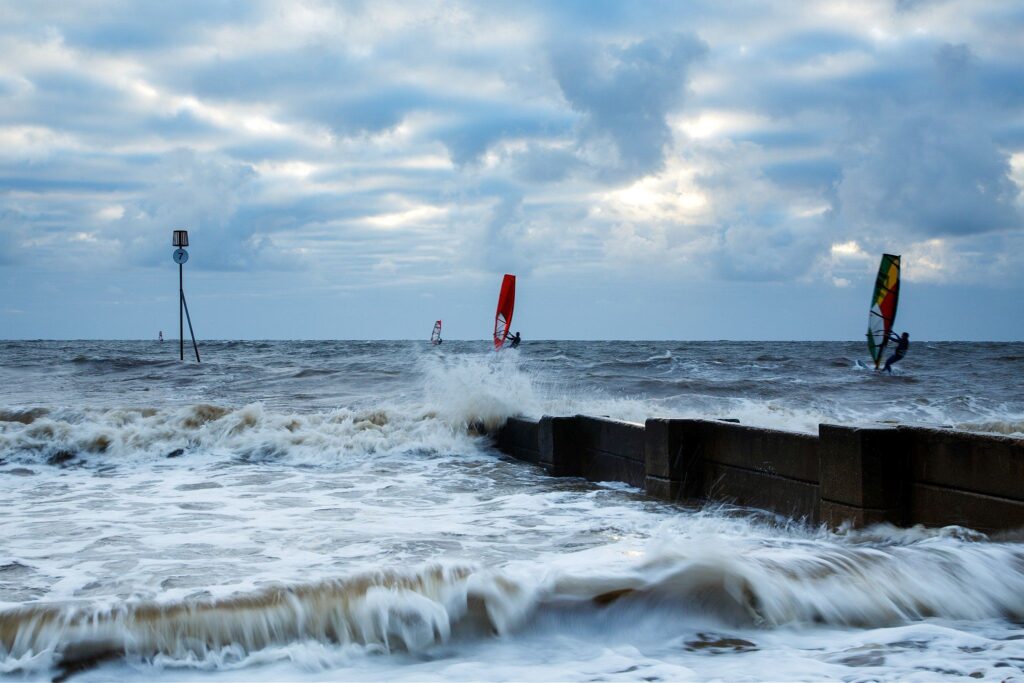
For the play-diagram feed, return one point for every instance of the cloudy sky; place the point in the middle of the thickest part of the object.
(664, 170)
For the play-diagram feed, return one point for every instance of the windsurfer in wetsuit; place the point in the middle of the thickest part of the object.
(902, 344)
(515, 340)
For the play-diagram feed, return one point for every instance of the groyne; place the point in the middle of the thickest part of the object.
(854, 475)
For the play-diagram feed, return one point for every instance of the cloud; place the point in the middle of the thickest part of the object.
(930, 166)
(360, 145)
(203, 194)
(474, 132)
(626, 92)
(115, 26)
(507, 239)
(543, 163)
(930, 175)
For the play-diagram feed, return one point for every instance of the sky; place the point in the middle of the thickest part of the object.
(648, 170)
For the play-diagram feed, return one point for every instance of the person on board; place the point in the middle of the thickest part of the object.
(161, 338)
(902, 344)
(515, 340)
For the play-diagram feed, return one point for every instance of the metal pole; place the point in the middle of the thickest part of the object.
(189, 318)
(181, 318)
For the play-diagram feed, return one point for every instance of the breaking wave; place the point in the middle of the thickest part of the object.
(915, 576)
(463, 398)
(250, 433)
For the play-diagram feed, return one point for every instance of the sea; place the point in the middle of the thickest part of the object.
(337, 511)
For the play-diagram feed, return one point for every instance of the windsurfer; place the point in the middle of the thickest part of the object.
(515, 340)
(902, 344)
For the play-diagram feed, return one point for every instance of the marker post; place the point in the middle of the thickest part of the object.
(180, 240)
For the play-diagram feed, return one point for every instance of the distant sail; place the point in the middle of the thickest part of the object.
(506, 304)
(435, 336)
(883, 306)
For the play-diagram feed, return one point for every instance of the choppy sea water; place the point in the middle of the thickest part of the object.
(327, 511)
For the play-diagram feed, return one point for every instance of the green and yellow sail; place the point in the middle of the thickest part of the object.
(883, 306)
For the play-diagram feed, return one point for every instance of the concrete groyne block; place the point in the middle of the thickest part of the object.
(864, 475)
(979, 463)
(938, 506)
(770, 451)
(518, 438)
(672, 458)
(749, 488)
(623, 439)
(610, 450)
(556, 441)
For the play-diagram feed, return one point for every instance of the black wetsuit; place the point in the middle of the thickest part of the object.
(902, 344)
(515, 340)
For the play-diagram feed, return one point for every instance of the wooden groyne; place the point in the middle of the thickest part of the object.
(854, 475)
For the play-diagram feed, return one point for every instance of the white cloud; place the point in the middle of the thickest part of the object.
(369, 142)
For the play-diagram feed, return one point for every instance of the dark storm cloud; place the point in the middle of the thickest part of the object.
(480, 126)
(625, 93)
(540, 164)
(934, 175)
(822, 173)
(925, 157)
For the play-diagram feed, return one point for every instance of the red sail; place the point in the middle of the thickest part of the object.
(503, 316)
(435, 336)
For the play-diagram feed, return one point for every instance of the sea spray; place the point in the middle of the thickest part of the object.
(486, 389)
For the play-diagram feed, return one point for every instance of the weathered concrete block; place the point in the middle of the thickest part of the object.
(860, 475)
(600, 466)
(937, 506)
(610, 450)
(749, 488)
(864, 468)
(672, 450)
(981, 463)
(786, 454)
(556, 441)
(518, 438)
(624, 439)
